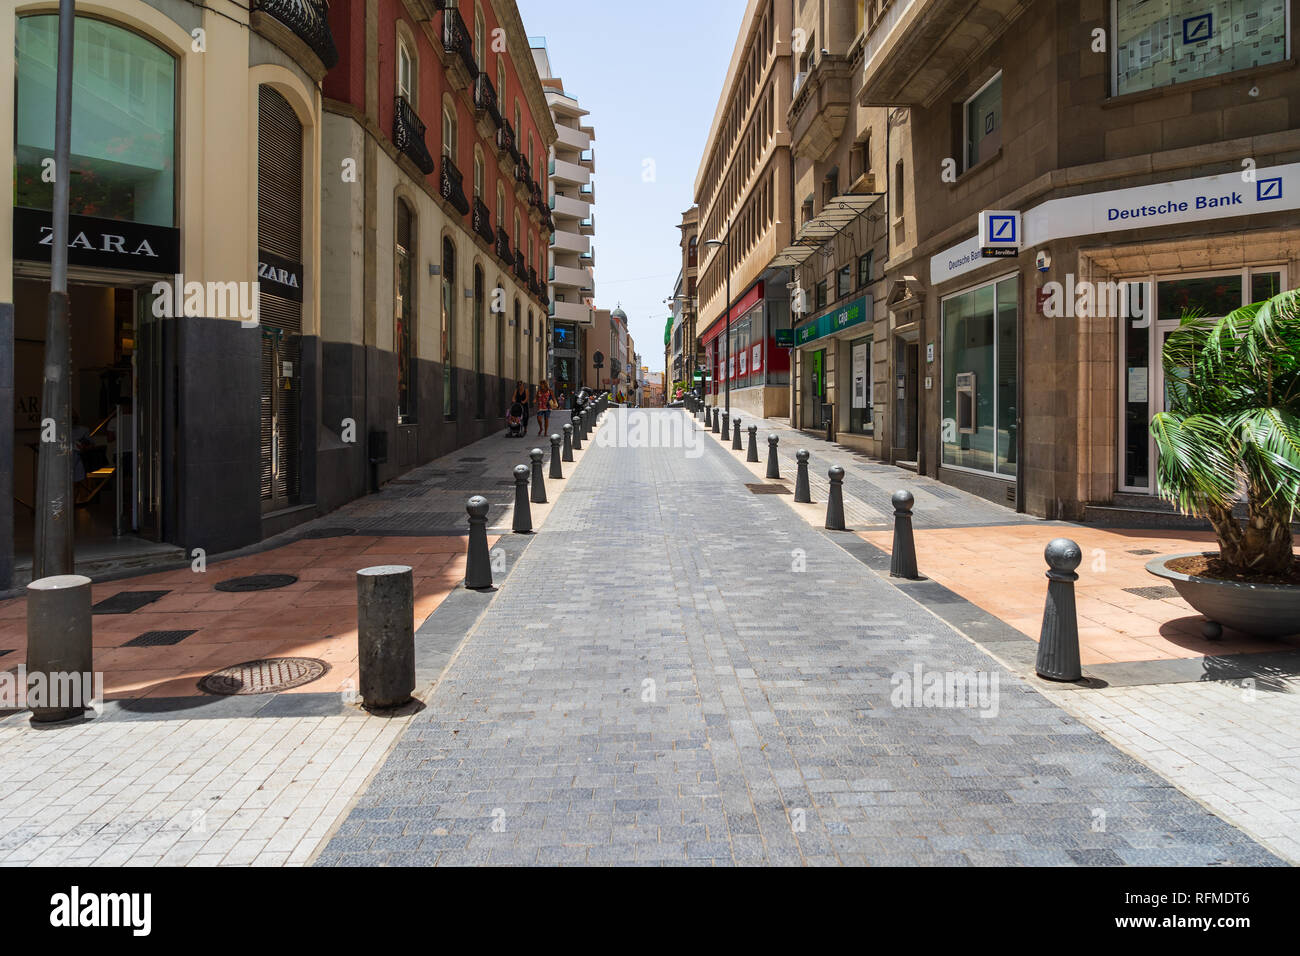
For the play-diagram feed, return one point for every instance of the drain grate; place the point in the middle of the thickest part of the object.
(329, 532)
(158, 638)
(1143, 551)
(264, 676)
(769, 489)
(1158, 593)
(124, 602)
(257, 582)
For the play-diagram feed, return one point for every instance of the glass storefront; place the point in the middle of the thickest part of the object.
(123, 122)
(860, 398)
(980, 377)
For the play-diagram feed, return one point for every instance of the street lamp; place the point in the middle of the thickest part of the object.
(726, 367)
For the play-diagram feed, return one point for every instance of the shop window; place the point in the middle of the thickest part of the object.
(1163, 42)
(983, 119)
(980, 378)
(123, 94)
(404, 312)
(860, 397)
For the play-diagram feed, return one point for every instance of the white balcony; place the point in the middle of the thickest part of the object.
(570, 174)
(571, 242)
(572, 312)
(566, 277)
(566, 207)
(572, 138)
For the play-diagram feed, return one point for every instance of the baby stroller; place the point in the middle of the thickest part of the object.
(515, 421)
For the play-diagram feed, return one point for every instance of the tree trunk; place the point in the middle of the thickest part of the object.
(1267, 538)
(1231, 537)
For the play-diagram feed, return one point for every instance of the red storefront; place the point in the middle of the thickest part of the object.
(754, 361)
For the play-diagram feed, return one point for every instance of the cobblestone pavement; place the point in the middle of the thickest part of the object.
(720, 683)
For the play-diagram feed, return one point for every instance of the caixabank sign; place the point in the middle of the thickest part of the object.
(1249, 192)
(854, 313)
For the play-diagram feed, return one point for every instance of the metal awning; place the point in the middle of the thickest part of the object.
(839, 214)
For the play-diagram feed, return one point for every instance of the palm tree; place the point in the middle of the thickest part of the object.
(1233, 425)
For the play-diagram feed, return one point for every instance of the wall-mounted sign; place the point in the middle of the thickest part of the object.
(784, 338)
(101, 243)
(929, 352)
(855, 313)
(999, 233)
(279, 276)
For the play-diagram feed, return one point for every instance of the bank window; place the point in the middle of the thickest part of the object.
(978, 429)
(843, 281)
(405, 72)
(983, 121)
(123, 92)
(1162, 42)
(864, 270)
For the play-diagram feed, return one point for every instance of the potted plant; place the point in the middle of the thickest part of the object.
(1232, 429)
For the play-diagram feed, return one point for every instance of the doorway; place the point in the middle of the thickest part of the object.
(814, 388)
(118, 414)
(907, 362)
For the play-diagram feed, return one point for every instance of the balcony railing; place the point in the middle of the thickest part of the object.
(522, 171)
(450, 184)
(483, 222)
(503, 246)
(506, 139)
(485, 97)
(408, 136)
(306, 18)
(456, 39)
(533, 287)
(521, 267)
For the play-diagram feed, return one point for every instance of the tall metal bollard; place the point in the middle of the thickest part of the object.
(59, 645)
(835, 502)
(903, 562)
(557, 470)
(736, 443)
(576, 425)
(539, 484)
(478, 563)
(1058, 642)
(386, 633)
(773, 468)
(752, 453)
(568, 443)
(726, 426)
(802, 491)
(523, 523)
(716, 424)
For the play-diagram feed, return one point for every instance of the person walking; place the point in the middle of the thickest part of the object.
(521, 397)
(545, 402)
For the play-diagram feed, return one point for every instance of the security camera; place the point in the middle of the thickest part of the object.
(1254, 91)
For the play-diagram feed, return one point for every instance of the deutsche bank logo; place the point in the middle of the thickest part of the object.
(1266, 189)
(1199, 28)
(1002, 228)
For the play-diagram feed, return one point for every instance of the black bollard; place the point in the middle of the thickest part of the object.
(478, 563)
(773, 468)
(59, 646)
(568, 443)
(716, 425)
(802, 492)
(539, 484)
(523, 513)
(386, 633)
(557, 470)
(576, 427)
(903, 562)
(1058, 642)
(752, 454)
(736, 443)
(726, 426)
(835, 502)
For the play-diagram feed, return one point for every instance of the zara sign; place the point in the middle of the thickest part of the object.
(101, 243)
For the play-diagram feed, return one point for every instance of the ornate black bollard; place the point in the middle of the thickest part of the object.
(752, 454)
(716, 424)
(835, 503)
(539, 485)
(903, 562)
(726, 426)
(557, 470)
(802, 492)
(736, 443)
(1058, 642)
(773, 469)
(576, 425)
(386, 634)
(478, 563)
(568, 443)
(523, 513)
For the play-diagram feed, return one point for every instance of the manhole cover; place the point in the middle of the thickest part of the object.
(263, 677)
(1142, 551)
(158, 638)
(257, 582)
(768, 489)
(124, 602)
(1157, 593)
(328, 532)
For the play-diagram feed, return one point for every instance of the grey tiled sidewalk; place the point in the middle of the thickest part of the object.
(714, 686)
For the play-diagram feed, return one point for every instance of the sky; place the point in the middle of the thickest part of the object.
(650, 75)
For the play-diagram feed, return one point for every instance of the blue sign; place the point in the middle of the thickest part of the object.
(1268, 189)
(1002, 228)
(1199, 28)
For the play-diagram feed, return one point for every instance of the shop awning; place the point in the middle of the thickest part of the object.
(838, 215)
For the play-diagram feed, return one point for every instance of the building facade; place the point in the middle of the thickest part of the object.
(744, 193)
(1127, 161)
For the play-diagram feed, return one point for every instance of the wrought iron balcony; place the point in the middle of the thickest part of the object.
(485, 97)
(521, 267)
(522, 171)
(456, 40)
(503, 246)
(506, 139)
(306, 18)
(450, 184)
(533, 287)
(483, 222)
(408, 136)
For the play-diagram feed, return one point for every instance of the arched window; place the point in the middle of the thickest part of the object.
(478, 174)
(501, 79)
(480, 386)
(517, 245)
(479, 34)
(449, 132)
(448, 328)
(693, 252)
(501, 206)
(404, 310)
(405, 71)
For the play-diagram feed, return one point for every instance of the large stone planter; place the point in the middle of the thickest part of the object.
(1260, 610)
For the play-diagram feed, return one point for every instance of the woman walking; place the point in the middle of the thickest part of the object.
(521, 397)
(545, 402)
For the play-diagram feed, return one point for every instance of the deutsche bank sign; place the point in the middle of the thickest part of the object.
(999, 234)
